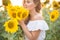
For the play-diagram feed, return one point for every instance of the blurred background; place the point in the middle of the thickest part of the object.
(50, 10)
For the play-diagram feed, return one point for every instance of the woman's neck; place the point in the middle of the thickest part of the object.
(33, 13)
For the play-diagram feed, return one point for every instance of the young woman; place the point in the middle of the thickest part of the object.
(35, 26)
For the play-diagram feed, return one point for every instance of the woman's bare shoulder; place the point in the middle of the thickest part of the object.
(40, 17)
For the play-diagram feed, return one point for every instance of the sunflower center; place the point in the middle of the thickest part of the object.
(56, 13)
(55, 5)
(10, 25)
(52, 16)
(14, 15)
(59, 3)
(24, 14)
(19, 14)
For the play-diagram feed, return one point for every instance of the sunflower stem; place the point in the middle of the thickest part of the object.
(10, 37)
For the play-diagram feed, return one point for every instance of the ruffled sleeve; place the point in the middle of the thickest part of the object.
(37, 25)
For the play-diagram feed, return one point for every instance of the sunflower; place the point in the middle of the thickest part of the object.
(55, 5)
(19, 12)
(59, 4)
(54, 15)
(12, 14)
(11, 26)
(19, 17)
(6, 2)
(22, 13)
(47, 1)
(11, 11)
(25, 14)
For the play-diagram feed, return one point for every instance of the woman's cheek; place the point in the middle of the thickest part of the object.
(30, 6)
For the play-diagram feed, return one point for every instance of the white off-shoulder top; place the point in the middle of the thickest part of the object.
(38, 25)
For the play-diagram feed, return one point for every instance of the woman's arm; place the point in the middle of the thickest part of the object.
(32, 35)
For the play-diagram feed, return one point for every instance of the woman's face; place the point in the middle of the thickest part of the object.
(29, 4)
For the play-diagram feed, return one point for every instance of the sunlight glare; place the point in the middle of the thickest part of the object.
(16, 2)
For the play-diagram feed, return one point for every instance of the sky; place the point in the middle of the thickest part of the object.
(0, 2)
(14, 2)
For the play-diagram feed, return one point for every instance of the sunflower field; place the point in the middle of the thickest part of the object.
(11, 30)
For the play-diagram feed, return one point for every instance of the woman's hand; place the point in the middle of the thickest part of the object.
(21, 22)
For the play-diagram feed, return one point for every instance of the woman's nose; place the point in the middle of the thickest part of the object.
(26, 4)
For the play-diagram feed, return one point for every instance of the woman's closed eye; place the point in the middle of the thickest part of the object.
(29, 1)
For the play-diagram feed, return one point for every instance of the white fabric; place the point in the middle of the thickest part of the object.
(38, 25)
